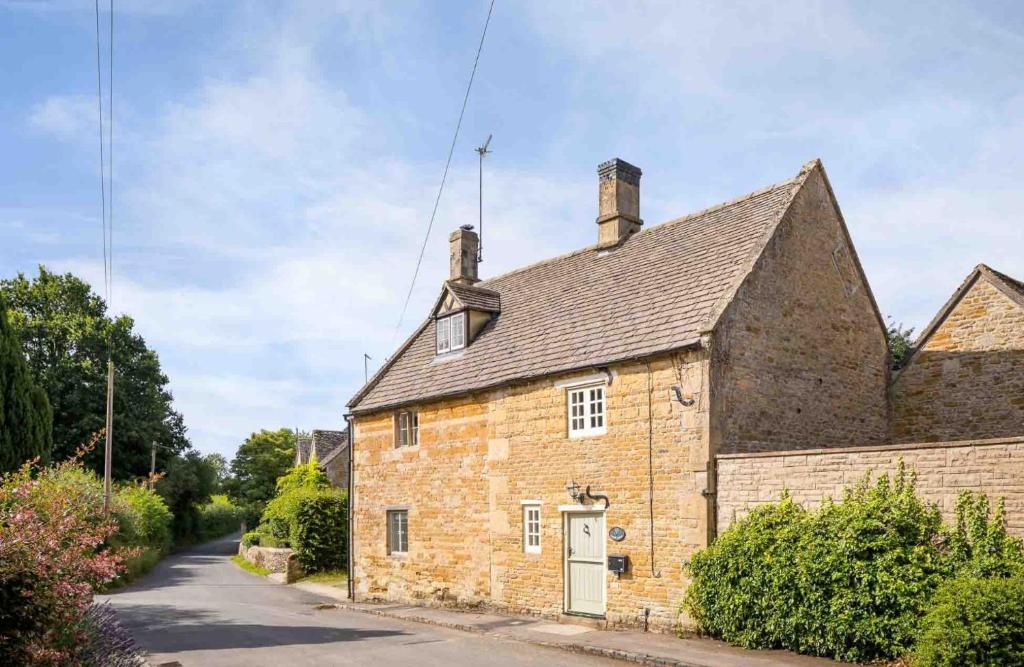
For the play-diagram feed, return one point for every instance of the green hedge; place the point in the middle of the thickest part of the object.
(974, 622)
(321, 532)
(218, 517)
(143, 519)
(851, 580)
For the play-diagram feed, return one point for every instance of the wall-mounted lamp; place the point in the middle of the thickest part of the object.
(573, 489)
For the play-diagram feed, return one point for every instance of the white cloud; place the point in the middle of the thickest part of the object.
(65, 116)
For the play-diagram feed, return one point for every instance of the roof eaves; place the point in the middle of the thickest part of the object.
(685, 345)
(1012, 288)
(379, 375)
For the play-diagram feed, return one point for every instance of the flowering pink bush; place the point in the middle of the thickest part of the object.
(52, 558)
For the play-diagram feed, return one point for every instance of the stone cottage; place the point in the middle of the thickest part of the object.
(329, 449)
(546, 441)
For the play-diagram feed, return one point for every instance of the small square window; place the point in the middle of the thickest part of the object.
(398, 531)
(407, 428)
(586, 411)
(531, 528)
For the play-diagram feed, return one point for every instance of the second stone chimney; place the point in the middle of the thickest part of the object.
(618, 202)
(463, 245)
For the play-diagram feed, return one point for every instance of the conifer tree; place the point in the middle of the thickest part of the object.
(26, 420)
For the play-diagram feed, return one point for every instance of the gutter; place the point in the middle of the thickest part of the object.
(690, 344)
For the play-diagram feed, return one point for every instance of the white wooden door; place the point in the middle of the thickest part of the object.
(584, 563)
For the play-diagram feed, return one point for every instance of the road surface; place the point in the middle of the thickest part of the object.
(198, 608)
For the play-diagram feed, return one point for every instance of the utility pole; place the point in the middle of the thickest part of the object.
(109, 443)
(482, 151)
(152, 464)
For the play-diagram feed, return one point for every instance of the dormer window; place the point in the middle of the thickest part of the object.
(451, 333)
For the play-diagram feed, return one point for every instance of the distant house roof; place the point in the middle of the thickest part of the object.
(1011, 287)
(329, 444)
(658, 291)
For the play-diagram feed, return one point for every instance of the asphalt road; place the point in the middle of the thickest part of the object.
(200, 609)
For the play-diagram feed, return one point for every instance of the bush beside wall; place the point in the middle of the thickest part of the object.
(321, 532)
(852, 580)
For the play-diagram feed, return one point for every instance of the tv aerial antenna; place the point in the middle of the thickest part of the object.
(482, 151)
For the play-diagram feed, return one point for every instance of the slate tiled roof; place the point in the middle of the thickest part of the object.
(476, 297)
(329, 444)
(655, 292)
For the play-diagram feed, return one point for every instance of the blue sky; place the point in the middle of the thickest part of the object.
(275, 163)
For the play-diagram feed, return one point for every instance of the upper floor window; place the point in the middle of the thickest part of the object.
(407, 428)
(586, 411)
(451, 333)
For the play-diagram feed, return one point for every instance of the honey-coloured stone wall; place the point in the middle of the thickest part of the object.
(480, 457)
(993, 466)
(800, 357)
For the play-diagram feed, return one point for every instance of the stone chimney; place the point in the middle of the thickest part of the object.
(462, 255)
(618, 202)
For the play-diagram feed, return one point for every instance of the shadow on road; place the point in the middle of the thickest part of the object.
(172, 629)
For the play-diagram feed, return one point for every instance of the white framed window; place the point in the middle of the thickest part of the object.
(407, 428)
(451, 333)
(586, 411)
(444, 335)
(458, 324)
(398, 531)
(531, 527)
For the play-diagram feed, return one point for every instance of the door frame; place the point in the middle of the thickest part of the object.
(567, 511)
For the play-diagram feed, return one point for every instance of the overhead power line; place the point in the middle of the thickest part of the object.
(444, 176)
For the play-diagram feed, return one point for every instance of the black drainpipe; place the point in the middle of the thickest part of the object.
(351, 505)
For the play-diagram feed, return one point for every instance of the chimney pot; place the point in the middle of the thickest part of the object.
(463, 244)
(618, 202)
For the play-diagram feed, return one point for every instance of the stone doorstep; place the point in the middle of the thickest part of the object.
(656, 650)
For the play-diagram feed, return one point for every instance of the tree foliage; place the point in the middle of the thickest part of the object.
(260, 461)
(187, 486)
(26, 420)
(901, 343)
(68, 336)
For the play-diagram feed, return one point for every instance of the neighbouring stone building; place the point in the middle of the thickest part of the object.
(540, 422)
(965, 378)
(329, 449)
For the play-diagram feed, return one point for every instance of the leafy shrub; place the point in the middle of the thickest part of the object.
(321, 532)
(744, 584)
(143, 518)
(219, 517)
(979, 545)
(251, 539)
(52, 560)
(278, 524)
(849, 581)
(974, 621)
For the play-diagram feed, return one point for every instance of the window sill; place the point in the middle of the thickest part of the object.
(399, 555)
(588, 434)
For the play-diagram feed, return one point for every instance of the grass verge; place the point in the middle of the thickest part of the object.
(337, 578)
(249, 567)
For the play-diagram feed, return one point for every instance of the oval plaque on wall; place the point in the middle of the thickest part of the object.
(617, 533)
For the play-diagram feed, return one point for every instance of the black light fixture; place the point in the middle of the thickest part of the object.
(573, 489)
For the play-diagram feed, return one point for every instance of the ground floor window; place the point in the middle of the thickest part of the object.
(531, 528)
(398, 531)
